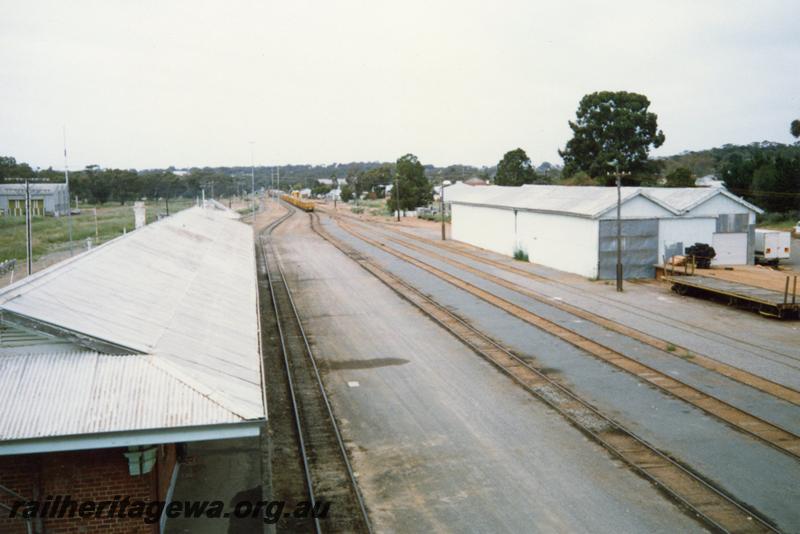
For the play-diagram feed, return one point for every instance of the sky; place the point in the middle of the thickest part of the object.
(190, 83)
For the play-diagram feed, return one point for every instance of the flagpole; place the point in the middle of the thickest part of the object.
(66, 179)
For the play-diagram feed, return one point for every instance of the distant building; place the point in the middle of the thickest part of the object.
(709, 180)
(475, 181)
(46, 199)
(573, 228)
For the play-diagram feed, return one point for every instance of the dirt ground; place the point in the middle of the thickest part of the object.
(408, 222)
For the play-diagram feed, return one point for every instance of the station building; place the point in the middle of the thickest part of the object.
(112, 360)
(574, 228)
(46, 199)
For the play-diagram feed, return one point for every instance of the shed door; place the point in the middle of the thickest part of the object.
(731, 249)
(639, 249)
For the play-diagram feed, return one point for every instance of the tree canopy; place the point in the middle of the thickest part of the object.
(515, 169)
(613, 129)
(347, 193)
(9, 168)
(414, 187)
(680, 177)
(770, 178)
(795, 128)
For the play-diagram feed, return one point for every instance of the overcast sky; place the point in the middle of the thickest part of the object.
(151, 84)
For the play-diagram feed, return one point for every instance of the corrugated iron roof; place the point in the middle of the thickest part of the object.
(45, 395)
(583, 201)
(181, 292)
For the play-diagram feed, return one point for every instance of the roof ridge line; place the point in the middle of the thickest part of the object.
(198, 387)
(28, 282)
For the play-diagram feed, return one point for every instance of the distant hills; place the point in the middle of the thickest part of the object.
(711, 160)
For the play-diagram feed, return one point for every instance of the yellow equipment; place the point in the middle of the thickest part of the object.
(295, 200)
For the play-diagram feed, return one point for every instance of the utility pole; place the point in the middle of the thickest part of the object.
(253, 179)
(441, 207)
(278, 174)
(619, 230)
(66, 180)
(28, 229)
(397, 194)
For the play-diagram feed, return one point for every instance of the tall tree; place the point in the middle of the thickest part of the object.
(795, 128)
(9, 168)
(415, 189)
(515, 169)
(680, 177)
(370, 180)
(97, 184)
(613, 129)
(346, 193)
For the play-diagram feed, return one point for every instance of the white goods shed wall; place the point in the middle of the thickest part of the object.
(489, 228)
(718, 205)
(637, 208)
(731, 248)
(562, 242)
(679, 233)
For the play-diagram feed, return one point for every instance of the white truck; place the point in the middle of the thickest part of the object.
(772, 246)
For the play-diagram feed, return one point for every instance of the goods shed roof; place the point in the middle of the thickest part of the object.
(582, 201)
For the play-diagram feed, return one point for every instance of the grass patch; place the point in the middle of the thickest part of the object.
(671, 347)
(779, 221)
(436, 218)
(51, 234)
(520, 255)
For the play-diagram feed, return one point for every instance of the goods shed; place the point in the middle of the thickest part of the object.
(573, 228)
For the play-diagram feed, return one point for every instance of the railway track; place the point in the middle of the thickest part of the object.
(770, 387)
(678, 324)
(328, 477)
(769, 433)
(710, 504)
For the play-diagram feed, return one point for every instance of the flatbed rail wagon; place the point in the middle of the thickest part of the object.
(782, 305)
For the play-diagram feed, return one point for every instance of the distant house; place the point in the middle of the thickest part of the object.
(305, 193)
(475, 181)
(46, 199)
(709, 180)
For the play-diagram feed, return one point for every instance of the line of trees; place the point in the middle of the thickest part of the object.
(613, 131)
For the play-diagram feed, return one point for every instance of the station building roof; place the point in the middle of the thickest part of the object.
(161, 332)
(584, 201)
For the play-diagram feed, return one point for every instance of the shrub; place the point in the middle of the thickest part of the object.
(520, 255)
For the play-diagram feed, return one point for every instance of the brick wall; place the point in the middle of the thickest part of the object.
(97, 475)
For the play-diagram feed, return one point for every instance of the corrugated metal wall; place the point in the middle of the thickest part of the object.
(639, 249)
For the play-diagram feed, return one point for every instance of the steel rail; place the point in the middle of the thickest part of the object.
(701, 497)
(678, 324)
(766, 385)
(769, 433)
(310, 354)
(287, 368)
